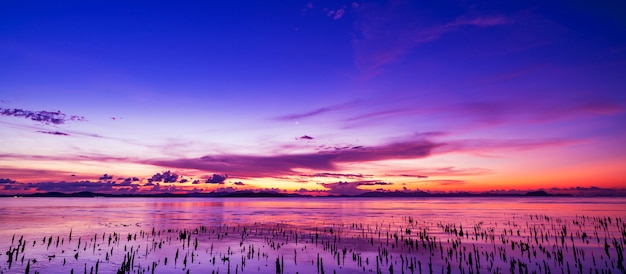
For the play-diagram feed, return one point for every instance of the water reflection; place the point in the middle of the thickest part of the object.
(312, 234)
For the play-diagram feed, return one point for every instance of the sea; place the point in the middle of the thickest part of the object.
(312, 235)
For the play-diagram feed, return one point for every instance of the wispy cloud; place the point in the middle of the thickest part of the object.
(337, 175)
(491, 145)
(67, 157)
(42, 116)
(54, 133)
(423, 173)
(521, 110)
(446, 182)
(384, 33)
(71, 187)
(305, 115)
(43, 128)
(305, 137)
(319, 111)
(338, 14)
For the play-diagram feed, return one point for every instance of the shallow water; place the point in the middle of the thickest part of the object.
(311, 235)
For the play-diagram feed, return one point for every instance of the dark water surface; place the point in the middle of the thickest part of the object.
(311, 235)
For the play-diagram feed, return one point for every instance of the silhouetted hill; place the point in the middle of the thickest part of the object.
(395, 194)
(270, 194)
(539, 193)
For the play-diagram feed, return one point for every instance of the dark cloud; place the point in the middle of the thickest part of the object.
(70, 187)
(54, 133)
(166, 177)
(282, 165)
(337, 175)
(239, 183)
(216, 179)
(350, 188)
(6, 181)
(305, 137)
(105, 177)
(409, 175)
(45, 117)
(325, 147)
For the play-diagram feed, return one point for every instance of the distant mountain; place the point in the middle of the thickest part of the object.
(59, 194)
(272, 194)
(395, 194)
(539, 193)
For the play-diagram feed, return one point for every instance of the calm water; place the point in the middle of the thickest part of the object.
(311, 235)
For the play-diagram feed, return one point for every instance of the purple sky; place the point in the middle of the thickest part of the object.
(338, 97)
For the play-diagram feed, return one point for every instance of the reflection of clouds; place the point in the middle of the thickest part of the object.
(186, 211)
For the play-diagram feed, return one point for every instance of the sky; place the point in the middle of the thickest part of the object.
(317, 97)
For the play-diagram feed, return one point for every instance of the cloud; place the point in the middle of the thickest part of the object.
(166, 177)
(54, 133)
(105, 177)
(305, 137)
(28, 174)
(337, 175)
(446, 182)
(71, 187)
(305, 115)
(246, 166)
(490, 145)
(339, 107)
(6, 181)
(327, 161)
(519, 109)
(44, 117)
(339, 13)
(423, 173)
(239, 183)
(350, 188)
(408, 175)
(386, 32)
(92, 157)
(216, 179)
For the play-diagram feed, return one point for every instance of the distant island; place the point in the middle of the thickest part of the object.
(270, 194)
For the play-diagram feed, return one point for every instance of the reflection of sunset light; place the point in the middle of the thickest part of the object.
(227, 230)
